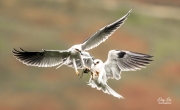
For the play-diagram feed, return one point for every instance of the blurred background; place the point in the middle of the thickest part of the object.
(152, 28)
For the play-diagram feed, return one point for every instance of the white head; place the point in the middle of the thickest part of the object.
(76, 48)
(97, 62)
(97, 65)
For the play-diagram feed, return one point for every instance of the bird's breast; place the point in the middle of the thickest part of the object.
(74, 55)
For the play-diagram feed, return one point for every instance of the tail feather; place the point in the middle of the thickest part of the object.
(112, 92)
(105, 88)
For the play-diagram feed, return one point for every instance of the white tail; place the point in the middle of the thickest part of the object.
(105, 88)
(112, 92)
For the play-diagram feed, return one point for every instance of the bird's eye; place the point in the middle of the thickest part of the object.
(78, 50)
(97, 62)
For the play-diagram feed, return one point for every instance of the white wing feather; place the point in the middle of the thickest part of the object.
(120, 60)
(103, 34)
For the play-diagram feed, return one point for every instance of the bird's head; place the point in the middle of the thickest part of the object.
(97, 62)
(77, 48)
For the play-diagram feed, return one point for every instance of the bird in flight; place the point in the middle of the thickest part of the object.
(117, 61)
(50, 58)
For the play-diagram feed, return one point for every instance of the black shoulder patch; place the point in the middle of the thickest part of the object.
(121, 54)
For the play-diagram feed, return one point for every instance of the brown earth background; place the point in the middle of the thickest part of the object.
(153, 28)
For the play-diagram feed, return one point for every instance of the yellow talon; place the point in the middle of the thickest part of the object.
(77, 73)
(92, 75)
(87, 68)
(97, 73)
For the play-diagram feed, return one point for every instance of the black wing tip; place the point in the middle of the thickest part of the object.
(15, 51)
(145, 55)
(150, 56)
(22, 49)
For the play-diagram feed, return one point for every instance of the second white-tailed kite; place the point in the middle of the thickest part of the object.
(117, 61)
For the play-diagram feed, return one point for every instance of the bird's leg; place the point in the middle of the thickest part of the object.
(60, 65)
(92, 75)
(82, 74)
(82, 62)
(75, 66)
(97, 73)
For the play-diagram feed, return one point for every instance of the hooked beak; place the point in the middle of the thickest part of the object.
(94, 63)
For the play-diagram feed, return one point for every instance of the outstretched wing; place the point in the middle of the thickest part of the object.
(103, 34)
(44, 58)
(120, 60)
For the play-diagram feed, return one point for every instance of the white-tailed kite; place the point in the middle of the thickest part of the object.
(49, 58)
(117, 61)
